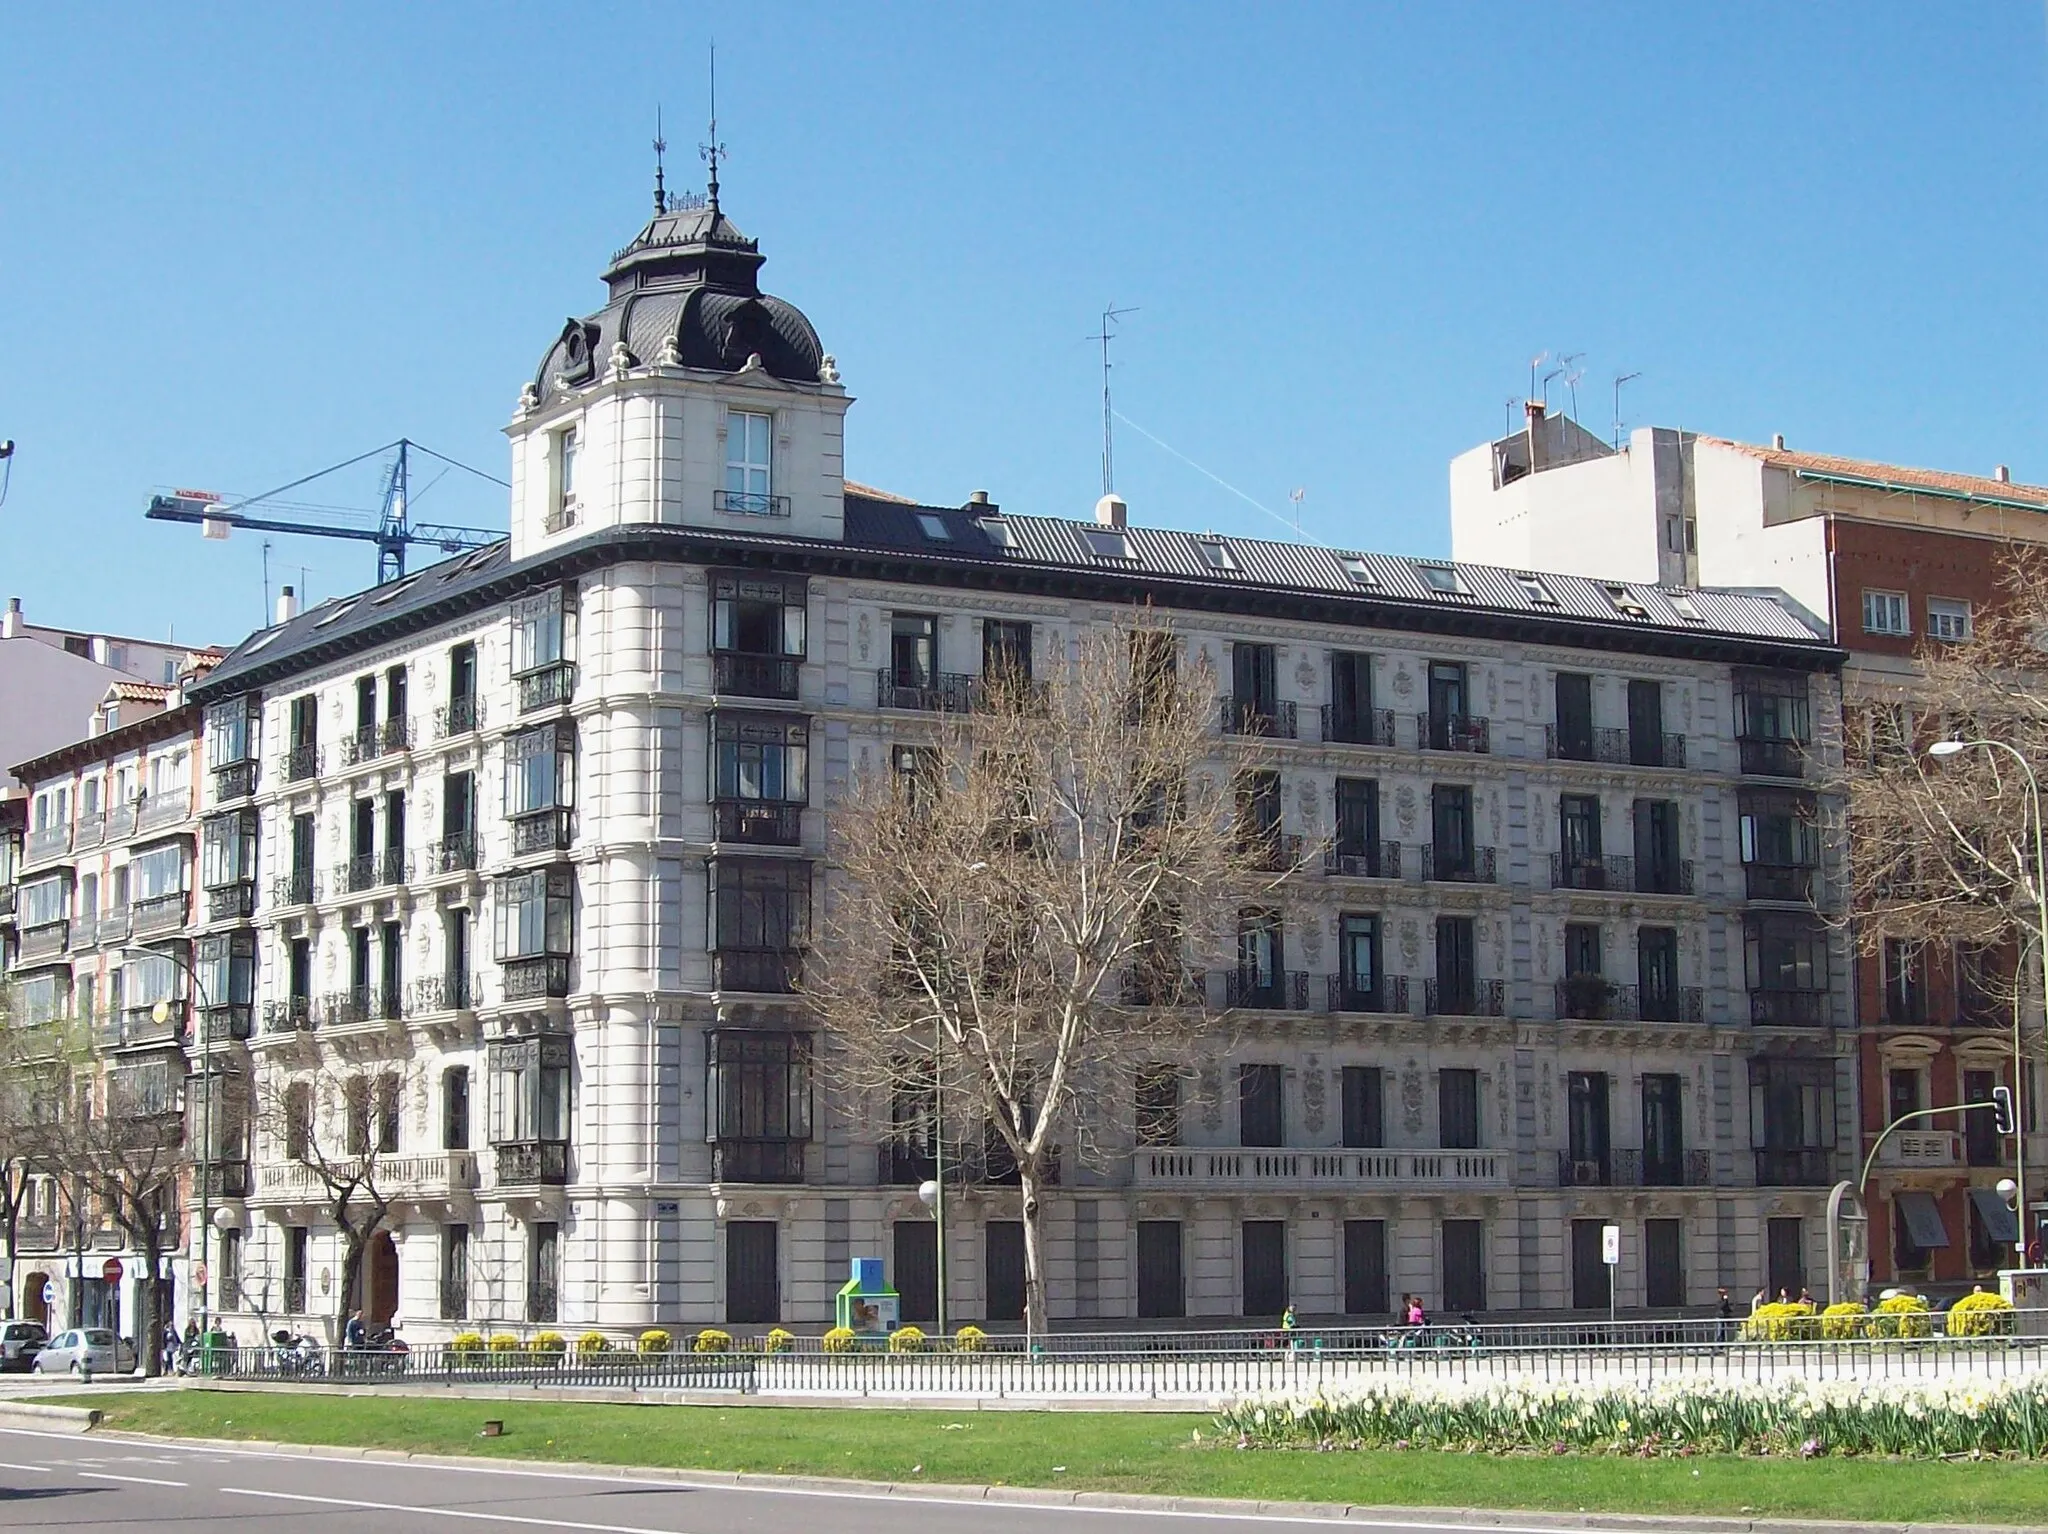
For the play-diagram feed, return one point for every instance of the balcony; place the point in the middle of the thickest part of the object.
(298, 887)
(759, 824)
(1617, 748)
(1798, 1167)
(292, 1015)
(770, 971)
(1274, 852)
(1779, 881)
(1907, 1151)
(358, 1004)
(533, 1163)
(7, 897)
(1458, 865)
(1283, 992)
(371, 870)
(1622, 875)
(155, 811)
(113, 925)
(227, 1021)
(302, 761)
(1162, 985)
(452, 854)
(1761, 758)
(1464, 998)
(85, 931)
(48, 842)
(535, 977)
(1453, 732)
(365, 745)
(458, 716)
(936, 692)
(1389, 996)
(139, 1025)
(155, 914)
(1291, 1171)
(544, 830)
(559, 517)
(1375, 860)
(767, 1161)
(37, 1233)
(745, 675)
(1788, 1009)
(1240, 717)
(45, 940)
(221, 1179)
(548, 687)
(1589, 1170)
(1358, 726)
(90, 830)
(747, 503)
(441, 993)
(1590, 999)
(234, 780)
(448, 1174)
(231, 902)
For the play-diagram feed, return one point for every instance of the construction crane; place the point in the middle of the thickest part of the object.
(393, 533)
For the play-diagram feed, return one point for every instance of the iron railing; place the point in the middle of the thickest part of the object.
(1374, 860)
(1453, 732)
(234, 780)
(452, 854)
(302, 761)
(458, 716)
(933, 692)
(441, 993)
(300, 886)
(1464, 998)
(228, 1021)
(1358, 726)
(754, 676)
(1770, 758)
(1388, 995)
(535, 977)
(1458, 865)
(1239, 716)
(1615, 747)
(547, 687)
(747, 503)
(372, 870)
(292, 1015)
(1282, 991)
(763, 825)
(543, 830)
(1592, 999)
(1788, 1009)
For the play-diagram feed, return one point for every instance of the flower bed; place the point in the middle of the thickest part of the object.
(1791, 1416)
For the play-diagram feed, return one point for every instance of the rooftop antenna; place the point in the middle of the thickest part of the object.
(1568, 364)
(1297, 495)
(1619, 380)
(711, 149)
(1508, 406)
(660, 149)
(1535, 362)
(1553, 373)
(1110, 315)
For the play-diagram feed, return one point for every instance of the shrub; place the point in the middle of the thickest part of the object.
(1841, 1321)
(839, 1340)
(655, 1340)
(1980, 1315)
(778, 1341)
(504, 1342)
(906, 1339)
(1903, 1315)
(712, 1340)
(548, 1342)
(970, 1339)
(1781, 1322)
(593, 1342)
(466, 1342)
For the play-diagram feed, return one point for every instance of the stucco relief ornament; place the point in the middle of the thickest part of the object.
(1411, 944)
(753, 363)
(828, 369)
(671, 354)
(863, 635)
(1546, 1098)
(1411, 1098)
(1404, 807)
(529, 400)
(620, 362)
(1312, 940)
(1305, 796)
(1404, 684)
(1212, 1096)
(1305, 675)
(1312, 1091)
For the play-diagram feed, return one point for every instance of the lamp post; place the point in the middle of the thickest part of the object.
(1941, 750)
(161, 1012)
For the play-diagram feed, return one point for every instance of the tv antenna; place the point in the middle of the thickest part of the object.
(1619, 380)
(1568, 364)
(1536, 362)
(1297, 495)
(1110, 315)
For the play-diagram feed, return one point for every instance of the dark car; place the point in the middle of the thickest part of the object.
(20, 1341)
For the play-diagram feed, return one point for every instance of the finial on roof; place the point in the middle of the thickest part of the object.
(660, 148)
(711, 149)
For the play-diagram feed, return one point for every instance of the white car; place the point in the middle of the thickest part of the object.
(91, 1349)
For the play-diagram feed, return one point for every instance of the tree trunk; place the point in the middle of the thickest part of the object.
(1034, 1270)
(355, 1245)
(149, 1326)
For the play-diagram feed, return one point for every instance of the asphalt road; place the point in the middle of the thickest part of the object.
(96, 1481)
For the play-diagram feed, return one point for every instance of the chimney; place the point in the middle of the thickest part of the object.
(1111, 510)
(102, 651)
(1778, 440)
(1534, 410)
(10, 626)
(287, 605)
(978, 501)
(2003, 475)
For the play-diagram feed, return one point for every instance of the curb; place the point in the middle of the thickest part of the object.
(49, 1419)
(1107, 1501)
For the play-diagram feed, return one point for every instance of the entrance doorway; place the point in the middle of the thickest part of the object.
(33, 1306)
(380, 1280)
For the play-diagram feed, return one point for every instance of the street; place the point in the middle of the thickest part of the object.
(68, 1481)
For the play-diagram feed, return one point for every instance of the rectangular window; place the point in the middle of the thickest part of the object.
(1659, 869)
(1254, 681)
(1586, 1125)
(1579, 830)
(757, 1086)
(1358, 959)
(759, 904)
(1575, 716)
(758, 615)
(1646, 745)
(1948, 619)
(759, 759)
(455, 1108)
(1259, 1115)
(1457, 1109)
(567, 449)
(1358, 821)
(914, 650)
(1351, 709)
(1450, 814)
(1158, 1105)
(1884, 612)
(529, 1089)
(1592, 1278)
(1259, 973)
(1264, 1247)
(1657, 973)
(1364, 1107)
(748, 462)
(540, 631)
(1365, 1268)
(1663, 1131)
(540, 769)
(230, 733)
(535, 914)
(1448, 707)
(1457, 979)
(1904, 995)
(1161, 1294)
(1902, 1093)
(1006, 649)
(228, 850)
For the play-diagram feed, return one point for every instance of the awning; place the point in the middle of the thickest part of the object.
(1923, 1220)
(1999, 1220)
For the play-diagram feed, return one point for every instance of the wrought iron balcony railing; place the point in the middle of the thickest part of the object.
(292, 1015)
(1282, 991)
(547, 687)
(302, 761)
(1453, 732)
(1241, 717)
(1388, 995)
(535, 977)
(1458, 865)
(1358, 726)
(747, 503)
(452, 854)
(763, 825)
(1788, 1009)
(754, 676)
(441, 993)
(1371, 860)
(458, 716)
(1464, 998)
(299, 886)
(1772, 758)
(932, 692)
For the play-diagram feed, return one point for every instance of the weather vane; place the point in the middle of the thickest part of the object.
(712, 150)
(660, 149)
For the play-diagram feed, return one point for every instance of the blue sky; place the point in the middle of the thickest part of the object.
(238, 243)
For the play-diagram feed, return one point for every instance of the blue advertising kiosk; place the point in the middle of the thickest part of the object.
(868, 1307)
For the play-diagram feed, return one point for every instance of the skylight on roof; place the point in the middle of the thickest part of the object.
(1683, 605)
(394, 591)
(1443, 580)
(263, 639)
(999, 532)
(1534, 589)
(1359, 571)
(1106, 542)
(934, 527)
(1216, 554)
(342, 610)
(1625, 601)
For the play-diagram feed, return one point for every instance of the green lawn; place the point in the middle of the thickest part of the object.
(1140, 1452)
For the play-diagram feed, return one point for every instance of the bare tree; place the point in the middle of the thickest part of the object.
(342, 1133)
(21, 1090)
(1023, 902)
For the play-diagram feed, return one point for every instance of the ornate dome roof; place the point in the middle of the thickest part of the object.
(687, 292)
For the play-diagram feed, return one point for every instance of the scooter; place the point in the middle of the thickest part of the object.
(296, 1353)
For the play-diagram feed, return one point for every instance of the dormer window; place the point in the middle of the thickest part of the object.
(748, 488)
(1106, 542)
(1443, 580)
(1216, 554)
(1625, 602)
(1534, 589)
(1358, 571)
(999, 532)
(563, 513)
(934, 527)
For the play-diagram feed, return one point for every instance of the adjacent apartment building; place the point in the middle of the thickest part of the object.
(506, 872)
(1886, 559)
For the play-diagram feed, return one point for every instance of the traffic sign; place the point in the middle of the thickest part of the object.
(49, 1291)
(1610, 1245)
(111, 1271)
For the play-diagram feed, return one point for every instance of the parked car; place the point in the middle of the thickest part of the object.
(20, 1341)
(83, 1349)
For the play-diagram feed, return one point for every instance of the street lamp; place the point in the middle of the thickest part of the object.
(1941, 750)
(161, 1012)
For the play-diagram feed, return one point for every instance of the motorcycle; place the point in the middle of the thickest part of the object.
(384, 1353)
(294, 1353)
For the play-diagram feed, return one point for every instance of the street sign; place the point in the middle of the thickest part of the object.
(1610, 1245)
(111, 1270)
(49, 1291)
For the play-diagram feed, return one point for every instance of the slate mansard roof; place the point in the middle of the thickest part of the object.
(978, 548)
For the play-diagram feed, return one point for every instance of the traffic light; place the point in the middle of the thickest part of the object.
(2001, 1109)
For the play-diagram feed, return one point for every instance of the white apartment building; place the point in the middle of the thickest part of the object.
(511, 863)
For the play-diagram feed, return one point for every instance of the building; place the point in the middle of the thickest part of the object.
(157, 662)
(495, 894)
(46, 696)
(1886, 559)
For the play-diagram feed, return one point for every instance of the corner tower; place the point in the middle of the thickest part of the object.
(691, 397)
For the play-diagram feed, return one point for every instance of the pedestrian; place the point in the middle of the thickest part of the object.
(1724, 1308)
(167, 1348)
(353, 1335)
(1805, 1295)
(1784, 1295)
(1287, 1326)
(1417, 1316)
(1756, 1301)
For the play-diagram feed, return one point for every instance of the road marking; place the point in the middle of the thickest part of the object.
(139, 1480)
(447, 1512)
(31, 1469)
